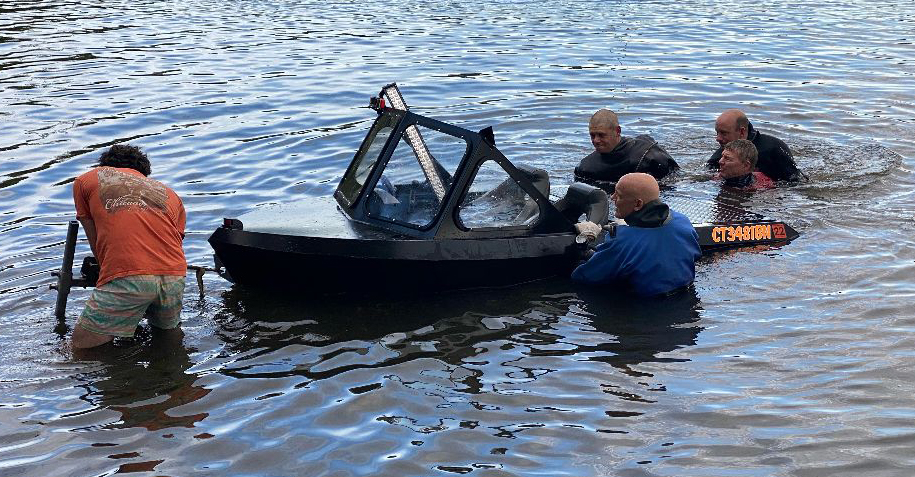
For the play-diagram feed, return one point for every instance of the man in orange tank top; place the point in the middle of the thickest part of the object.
(135, 226)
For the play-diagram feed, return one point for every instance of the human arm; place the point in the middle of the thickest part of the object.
(607, 265)
(91, 234)
(655, 160)
(661, 162)
(776, 160)
(84, 215)
(182, 218)
(712, 162)
(588, 168)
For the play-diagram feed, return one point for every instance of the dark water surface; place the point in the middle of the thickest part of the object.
(789, 362)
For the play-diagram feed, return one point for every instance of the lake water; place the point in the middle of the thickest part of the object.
(795, 361)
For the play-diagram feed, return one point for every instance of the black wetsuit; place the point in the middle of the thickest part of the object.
(775, 159)
(632, 154)
(740, 182)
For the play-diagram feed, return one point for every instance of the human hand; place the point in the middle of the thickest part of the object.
(587, 232)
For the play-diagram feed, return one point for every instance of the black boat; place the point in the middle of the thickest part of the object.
(426, 205)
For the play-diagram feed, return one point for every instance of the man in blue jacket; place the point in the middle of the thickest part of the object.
(654, 253)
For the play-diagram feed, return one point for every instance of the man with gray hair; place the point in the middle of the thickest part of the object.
(737, 165)
(775, 159)
(615, 155)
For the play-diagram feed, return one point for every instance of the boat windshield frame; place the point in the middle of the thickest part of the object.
(357, 199)
(372, 159)
(359, 172)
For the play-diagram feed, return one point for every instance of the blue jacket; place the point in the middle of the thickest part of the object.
(645, 260)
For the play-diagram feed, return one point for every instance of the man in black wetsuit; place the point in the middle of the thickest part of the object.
(775, 159)
(615, 156)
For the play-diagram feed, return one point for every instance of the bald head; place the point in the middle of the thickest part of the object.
(734, 116)
(633, 191)
(640, 185)
(604, 128)
(604, 118)
(731, 125)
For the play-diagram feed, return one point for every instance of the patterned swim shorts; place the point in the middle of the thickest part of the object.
(117, 307)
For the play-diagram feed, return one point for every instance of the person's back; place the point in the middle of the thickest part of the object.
(654, 253)
(775, 159)
(139, 223)
(135, 226)
(646, 260)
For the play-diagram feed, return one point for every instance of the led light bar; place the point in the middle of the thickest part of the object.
(416, 142)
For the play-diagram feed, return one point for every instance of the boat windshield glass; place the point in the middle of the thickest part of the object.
(417, 177)
(496, 200)
(367, 155)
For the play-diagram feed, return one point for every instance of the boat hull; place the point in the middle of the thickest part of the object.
(352, 265)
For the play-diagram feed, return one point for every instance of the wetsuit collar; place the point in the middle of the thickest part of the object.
(751, 133)
(616, 152)
(652, 214)
(740, 181)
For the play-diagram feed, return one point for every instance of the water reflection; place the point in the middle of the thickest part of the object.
(143, 380)
(494, 367)
(732, 204)
(643, 329)
(338, 334)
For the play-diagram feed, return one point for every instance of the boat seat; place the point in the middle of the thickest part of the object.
(538, 177)
(541, 180)
(583, 199)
